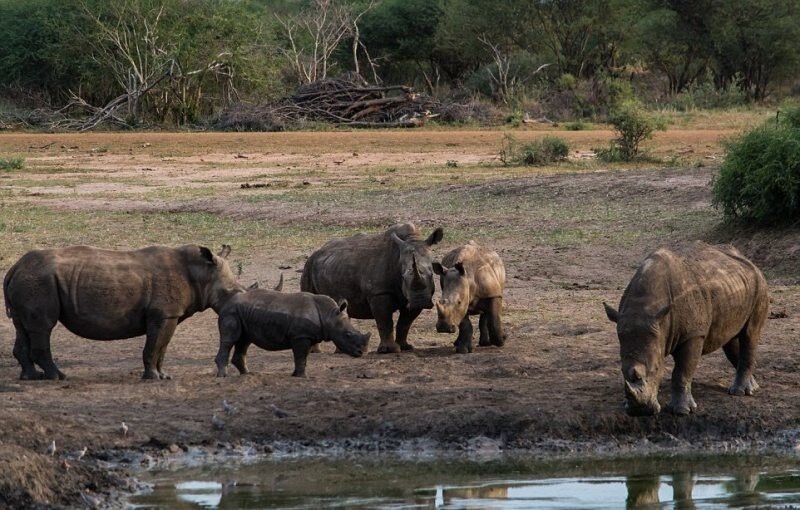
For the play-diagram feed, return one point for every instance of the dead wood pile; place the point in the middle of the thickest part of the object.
(347, 100)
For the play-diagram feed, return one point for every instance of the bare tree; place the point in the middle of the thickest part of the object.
(130, 46)
(504, 82)
(315, 34)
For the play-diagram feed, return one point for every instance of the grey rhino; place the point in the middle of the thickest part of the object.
(377, 274)
(111, 295)
(688, 302)
(472, 279)
(276, 321)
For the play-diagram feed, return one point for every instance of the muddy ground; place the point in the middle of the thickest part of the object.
(570, 235)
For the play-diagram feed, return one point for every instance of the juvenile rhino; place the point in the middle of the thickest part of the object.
(472, 279)
(275, 321)
(111, 295)
(377, 274)
(687, 303)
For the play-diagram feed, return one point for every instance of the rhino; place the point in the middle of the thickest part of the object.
(688, 302)
(276, 321)
(377, 274)
(472, 279)
(110, 295)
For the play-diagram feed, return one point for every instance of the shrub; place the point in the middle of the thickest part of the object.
(12, 163)
(633, 125)
(759, 180)
(540, 152)
(578, 125)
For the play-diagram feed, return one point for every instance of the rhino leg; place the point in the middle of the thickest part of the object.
(495, 326)
(686, 357)
(159, 333)
(300, 348)
(22, 352)
(483, 326)
(382, 310)
(43, 356)
(464, 340)
(229, 332)
(240, 357)
(742, 349)
(404, 325)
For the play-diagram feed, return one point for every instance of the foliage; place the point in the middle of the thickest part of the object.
(576, 126)
(633, 125)
(12, 163)
(759, 180)
(546, 150)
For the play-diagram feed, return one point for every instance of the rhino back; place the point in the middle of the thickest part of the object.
(484, 268)
(271, 319)
(712, 291)
(357, 267)
(104, 294)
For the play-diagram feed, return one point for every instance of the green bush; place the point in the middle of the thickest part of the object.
(759, 180)
(633, 125)
(578, 125)
(540, 152)
(12, 163)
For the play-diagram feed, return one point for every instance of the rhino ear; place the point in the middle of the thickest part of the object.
(279, 286)
(225, 251)
(207, 255)
(435, 237)
(439, 269)
(342, 305)
(254, 286)
(612, 314)
(399, 242)
(460, 268)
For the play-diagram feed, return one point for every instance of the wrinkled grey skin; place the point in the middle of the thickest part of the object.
(472, 279)
(276, 321)
(687, 303)
(111, 295)
(377, 274)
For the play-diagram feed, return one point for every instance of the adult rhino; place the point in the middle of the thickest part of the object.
(111, 295)
(377, 274)
(688, 302)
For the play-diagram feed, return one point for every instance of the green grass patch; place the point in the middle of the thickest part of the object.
(12, 163)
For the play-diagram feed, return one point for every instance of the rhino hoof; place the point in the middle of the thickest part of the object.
(406, 347)
(33, 375)
(149, 374)
(164, 376)
(388, 349)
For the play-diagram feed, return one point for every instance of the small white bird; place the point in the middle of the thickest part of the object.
(51, 450)
(217, 422)
(228, 408)
(123, 429)
(81, 453)
(280, 413)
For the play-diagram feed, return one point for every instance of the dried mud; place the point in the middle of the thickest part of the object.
(569, 239)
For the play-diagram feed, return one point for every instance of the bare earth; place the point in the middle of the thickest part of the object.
(570, 236)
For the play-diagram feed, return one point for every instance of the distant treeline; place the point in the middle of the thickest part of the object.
(180, 61)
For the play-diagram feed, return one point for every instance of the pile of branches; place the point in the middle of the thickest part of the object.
(347, 100)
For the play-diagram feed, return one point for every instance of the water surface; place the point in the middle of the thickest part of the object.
(501, 483)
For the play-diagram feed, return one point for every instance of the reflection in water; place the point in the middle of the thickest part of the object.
(681, 489)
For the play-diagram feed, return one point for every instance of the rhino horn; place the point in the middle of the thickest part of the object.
(279, 286)
(631, 390)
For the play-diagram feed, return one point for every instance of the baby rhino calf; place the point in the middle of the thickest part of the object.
(472, 279)
(276, 321)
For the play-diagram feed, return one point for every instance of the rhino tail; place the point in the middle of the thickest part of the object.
(6, 283)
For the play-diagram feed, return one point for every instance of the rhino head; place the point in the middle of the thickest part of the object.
(342, 332)
(641, 346)
(454, 304)
(416, 270)
(219, 282)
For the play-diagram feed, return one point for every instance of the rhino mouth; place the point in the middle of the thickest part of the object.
(445, 328)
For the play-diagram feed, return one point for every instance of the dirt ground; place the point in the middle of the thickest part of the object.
(571, 237)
